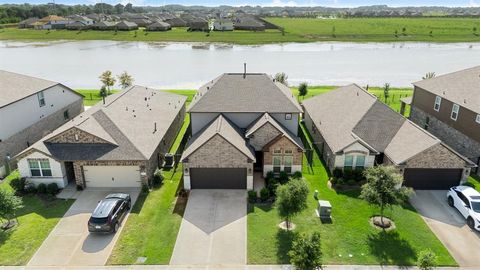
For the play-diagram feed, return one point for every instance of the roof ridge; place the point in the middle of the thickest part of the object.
(446, 74)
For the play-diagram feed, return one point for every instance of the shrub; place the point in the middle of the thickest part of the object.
(348, 174)
(334, 181)
(358, 175)
(283, 177)
(427, 260)
(340, 181)
(157, 177)
(52, 188)
(337, 173)
(18, 184)
(79, 188)
(270, 175)
(272, 185)
(264, 194)
(468, 184)
(297, 175)
(252, 196)
(42, 188)
(306, 252)
(30, 188)
(351, 182)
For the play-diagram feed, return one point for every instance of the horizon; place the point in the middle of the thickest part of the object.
(264, 3)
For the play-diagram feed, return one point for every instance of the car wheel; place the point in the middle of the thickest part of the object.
(115, 228)
(470, 223)
(450, 201)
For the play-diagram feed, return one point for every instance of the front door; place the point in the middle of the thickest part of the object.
(70, 172)
(258, 167)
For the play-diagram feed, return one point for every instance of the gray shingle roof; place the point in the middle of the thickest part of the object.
(14, 86)
(223, 127)
(461, 87)
(232, 92)
(126, 121)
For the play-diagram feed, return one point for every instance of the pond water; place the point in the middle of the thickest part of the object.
(188, 65)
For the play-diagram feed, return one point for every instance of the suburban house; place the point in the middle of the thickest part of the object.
(28, 23)
(119, 142)
(30, 108)
(104, 25)
(353, 130)
(249, 24)
(51, 22)
(159, 26)
(197, 24)
(126, 26)
(448, 106)
(241, 123)
(222, 25)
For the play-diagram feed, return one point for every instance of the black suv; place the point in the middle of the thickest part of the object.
(109, 213)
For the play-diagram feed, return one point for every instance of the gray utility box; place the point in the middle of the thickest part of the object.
(324, 209)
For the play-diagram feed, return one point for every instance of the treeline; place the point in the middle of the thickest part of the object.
(17, 13)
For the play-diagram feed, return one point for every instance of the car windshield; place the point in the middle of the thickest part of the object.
(476, 206)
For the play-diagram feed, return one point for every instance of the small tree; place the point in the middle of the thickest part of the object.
(125, 80)
(291, 199)
(383, 188)
(404, 31)
(386, 91)
(306, 253)
(427, 260)
(429, 75)
(282, 78)
(107, 79)
(103, 91)
(303, 89)
(9, 204)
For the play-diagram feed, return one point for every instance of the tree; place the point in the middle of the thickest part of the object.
(427, 260)
(9, 204)
(386, 91)
(103, 91)
(383, 188)
(125, 80)
(303, 89)
(291, 199)
(107, 79)
(282, 78)
(306, 253)
(429, 75)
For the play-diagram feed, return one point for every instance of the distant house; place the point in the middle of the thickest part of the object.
(198, 24)
(28, 23)
(117, 143)
(141, 22)
(159, 26)
(30, 108)
(51, 22)
(249, 24)
(104, 25)
(176, 22)
(222, 25)
(83, 19)
(126, 26)
(78, 26)
(353, 130)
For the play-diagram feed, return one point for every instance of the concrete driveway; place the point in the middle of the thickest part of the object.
(213, 229)
(449, 226)
(70, 244)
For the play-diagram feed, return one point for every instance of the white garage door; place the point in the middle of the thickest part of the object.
(112, 176)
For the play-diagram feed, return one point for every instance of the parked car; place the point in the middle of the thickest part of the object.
(109, 213)
(467, 202)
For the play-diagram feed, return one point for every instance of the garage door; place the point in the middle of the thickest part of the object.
(112, 176)
(432, 178)
(218, 178)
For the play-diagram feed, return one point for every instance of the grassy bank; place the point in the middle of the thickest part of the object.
(295, 30)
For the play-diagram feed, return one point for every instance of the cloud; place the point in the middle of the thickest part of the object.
(473, 3)
(281, 3)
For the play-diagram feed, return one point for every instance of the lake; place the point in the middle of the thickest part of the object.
(78, 64)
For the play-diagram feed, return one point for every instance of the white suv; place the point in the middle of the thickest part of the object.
(467, 202)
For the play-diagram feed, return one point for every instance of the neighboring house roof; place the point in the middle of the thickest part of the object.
(14, 87)
(126, 24)
(126, 122)
(52, 18)
(265, 119)
(223, 127)
(461, 87)
(28, 21)
(104, 24)
(250, 92)
(159, 25)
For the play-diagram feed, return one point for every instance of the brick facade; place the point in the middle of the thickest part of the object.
(452, 137)
(75, 135)
(263, 135)
(21, 140)
(283, 144)
(437, 156)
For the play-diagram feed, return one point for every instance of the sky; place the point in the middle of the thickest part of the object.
(331, 3)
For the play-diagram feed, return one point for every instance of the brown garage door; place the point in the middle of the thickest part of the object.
(432, 178)
(218, 178)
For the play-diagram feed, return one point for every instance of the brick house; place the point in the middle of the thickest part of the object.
(30, 108)
(353, 130)
(448, 106)
(238, 130)
(117, 143)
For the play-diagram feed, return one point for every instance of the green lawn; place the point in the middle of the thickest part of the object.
(152, 227)
(296, 30)
(349, 234)
(92, 96)
(475, 181)
(36, 220)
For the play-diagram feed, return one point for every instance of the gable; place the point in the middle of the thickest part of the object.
(437, 156)
(281, 141)
(263, 136)
(75, 135)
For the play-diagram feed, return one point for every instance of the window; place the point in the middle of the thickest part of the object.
(66, 115)
(41, 99)
(39, 167)
(360, 162)
(478, 118)
(287, 164)
(277, 151)
(277, 162)
(438, 102)
(454, 114)
(348, 163)
(288, 151)
(427, 123)
(288, 116)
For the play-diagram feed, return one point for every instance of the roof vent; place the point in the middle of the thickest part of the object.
(145, 98)
(154, 127)
(126, 108)
(208, 87)
(244, 70)
(465, 101)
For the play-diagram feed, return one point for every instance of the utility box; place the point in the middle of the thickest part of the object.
(169, 160)
(324, 210)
